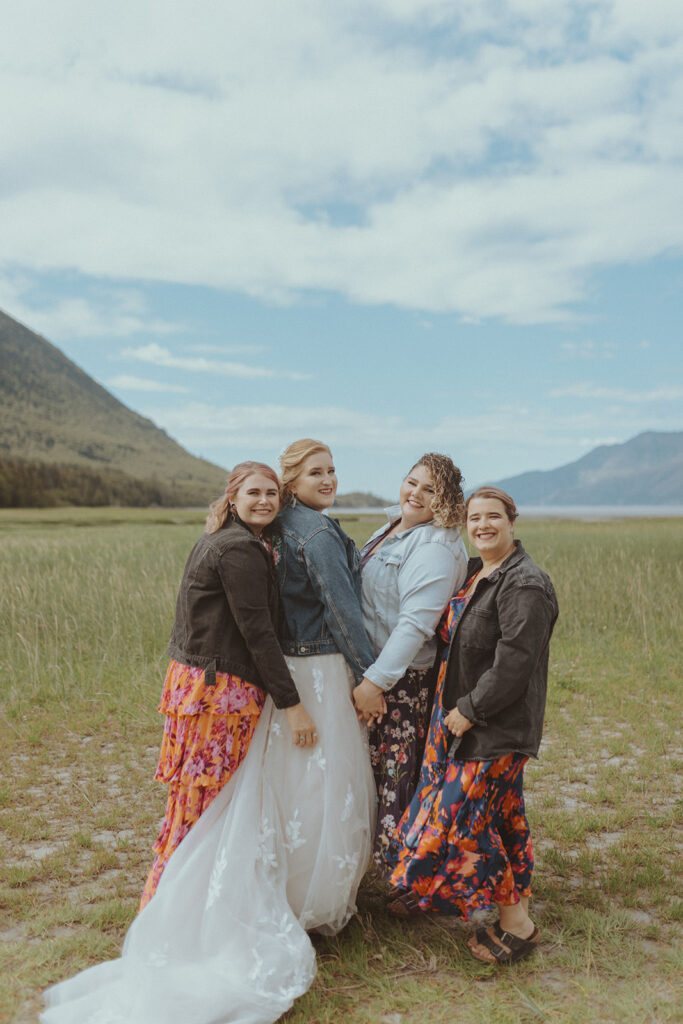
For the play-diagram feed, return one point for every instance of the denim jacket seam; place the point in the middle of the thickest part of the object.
(333, 609)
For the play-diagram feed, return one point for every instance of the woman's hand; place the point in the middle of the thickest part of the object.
(369, 701)
(302, 726)
(457, 723)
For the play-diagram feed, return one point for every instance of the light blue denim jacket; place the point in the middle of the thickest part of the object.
(406, 585)
(319, 576)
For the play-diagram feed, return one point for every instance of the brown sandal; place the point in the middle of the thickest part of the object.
(502, 947)
(405, 904)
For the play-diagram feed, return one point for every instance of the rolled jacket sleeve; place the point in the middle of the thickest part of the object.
(326, 559)
(245, 578)
(525, 617)
(426, 582)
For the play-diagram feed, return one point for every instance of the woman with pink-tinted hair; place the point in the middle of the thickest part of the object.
(225, 657)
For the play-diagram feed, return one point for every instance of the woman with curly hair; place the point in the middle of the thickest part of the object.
(410, 570)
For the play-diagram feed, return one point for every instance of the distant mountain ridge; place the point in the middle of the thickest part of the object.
(53, 415)
(646, 470)
(359, 499)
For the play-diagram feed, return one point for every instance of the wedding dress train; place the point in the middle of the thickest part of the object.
(281, 851)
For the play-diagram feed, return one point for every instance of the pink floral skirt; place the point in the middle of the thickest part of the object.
(206, 735)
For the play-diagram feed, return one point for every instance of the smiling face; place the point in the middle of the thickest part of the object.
(415, 497)
(257, 501)
(316, 484)
(489, 529)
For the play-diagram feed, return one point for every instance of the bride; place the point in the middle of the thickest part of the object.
(283, 847)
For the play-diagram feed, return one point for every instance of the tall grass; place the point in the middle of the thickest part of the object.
(86, 607)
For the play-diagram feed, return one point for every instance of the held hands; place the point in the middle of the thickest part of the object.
(457, 723)
(302, 726)
(369, 701)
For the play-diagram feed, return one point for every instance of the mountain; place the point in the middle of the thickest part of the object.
(647, 470)
(359, 499)
(63, 435)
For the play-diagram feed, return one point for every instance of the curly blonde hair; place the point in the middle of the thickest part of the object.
(219, 510)
(293, 458)
(448, 503)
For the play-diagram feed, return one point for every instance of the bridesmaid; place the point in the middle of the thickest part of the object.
(225, 657)
(464, 842)
(410, 569)
(283, 847)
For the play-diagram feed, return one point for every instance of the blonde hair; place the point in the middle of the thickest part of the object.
(448, 503)
(219, 511)
(292, 460)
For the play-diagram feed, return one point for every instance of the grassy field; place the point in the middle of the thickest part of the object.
(86, 607)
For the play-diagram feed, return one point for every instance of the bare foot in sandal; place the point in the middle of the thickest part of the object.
(494, 946)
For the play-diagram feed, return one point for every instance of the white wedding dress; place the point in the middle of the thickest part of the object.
(280, 851)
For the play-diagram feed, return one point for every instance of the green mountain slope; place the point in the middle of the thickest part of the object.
(52, 413)
(647, 470)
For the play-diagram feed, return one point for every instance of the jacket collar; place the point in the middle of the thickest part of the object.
(516, 556)
(393, 512)
(235, 521)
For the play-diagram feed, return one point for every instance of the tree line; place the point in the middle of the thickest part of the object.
(46, 485)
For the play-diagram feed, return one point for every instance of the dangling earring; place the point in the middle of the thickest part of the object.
(232, 509)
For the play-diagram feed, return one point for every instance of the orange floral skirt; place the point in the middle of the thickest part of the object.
(206, 735)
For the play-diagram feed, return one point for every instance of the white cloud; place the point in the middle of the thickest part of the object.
(124, 382)
(227, 350)
(594, 391)
(589, 349)
(373, 451)
(299, 146)
(160, 356)
(273, 426)
(109, 313)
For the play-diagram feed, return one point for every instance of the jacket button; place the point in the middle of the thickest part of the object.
(302, 649)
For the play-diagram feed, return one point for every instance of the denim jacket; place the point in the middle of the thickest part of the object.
(406, 585)
(319, 577)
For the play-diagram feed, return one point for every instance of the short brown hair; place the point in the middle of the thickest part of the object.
(495, 492)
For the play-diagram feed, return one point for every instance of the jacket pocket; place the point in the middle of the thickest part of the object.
(479, 630)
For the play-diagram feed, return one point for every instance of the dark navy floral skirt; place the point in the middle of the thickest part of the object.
(396, 749)
(464, 841)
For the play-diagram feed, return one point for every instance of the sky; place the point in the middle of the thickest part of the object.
(397, 226)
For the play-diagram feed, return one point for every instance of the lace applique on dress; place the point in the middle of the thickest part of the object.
(258, 973)
(215, 882)
(293, 837)
(348, 805)
(318, 679)
(157, 957)
(275, 730)
(264, 845)
(347, 865)
(317, 758)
